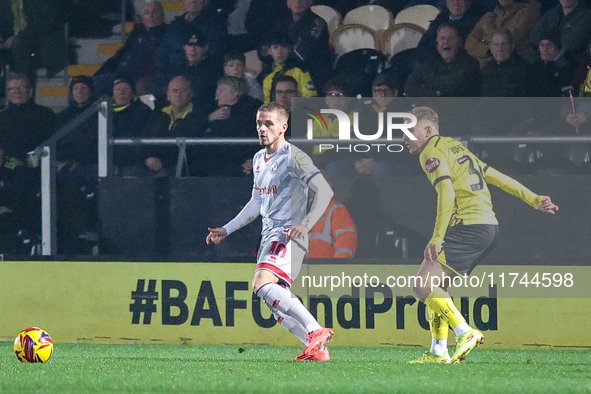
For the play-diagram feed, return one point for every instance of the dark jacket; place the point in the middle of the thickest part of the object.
(129, 122)
(551, 77)
(136, 57)
(435, 78)
(507, 79)
(203, 77)
(226, 160)
(310, 38)
(161, 126)
(170, 51)
(266, 16)
(574, 29)
(81, 145)
(24, 127)
(43, 17)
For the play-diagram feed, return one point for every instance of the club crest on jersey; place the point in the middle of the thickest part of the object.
(432, 164)
(273, 168)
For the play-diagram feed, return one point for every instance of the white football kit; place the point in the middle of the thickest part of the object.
(280, 191)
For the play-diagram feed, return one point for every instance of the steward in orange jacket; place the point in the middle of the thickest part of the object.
(334, 235)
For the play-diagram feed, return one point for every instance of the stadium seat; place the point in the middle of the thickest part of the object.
(373, 16)
(420, 15)
(331, 16)
(401, 37)
(348, 38)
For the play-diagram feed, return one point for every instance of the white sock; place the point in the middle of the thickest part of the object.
(438, 346)
(293, 326)
(462, 328)
(280, 299)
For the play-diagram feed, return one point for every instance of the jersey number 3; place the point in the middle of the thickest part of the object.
(473, 171)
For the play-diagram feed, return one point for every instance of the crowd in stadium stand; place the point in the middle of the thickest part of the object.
(196, 69)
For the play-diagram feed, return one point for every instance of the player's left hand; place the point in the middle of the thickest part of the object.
(431, 252)
(548, 206)
(297, 231)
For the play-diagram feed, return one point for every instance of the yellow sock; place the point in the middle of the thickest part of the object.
(439, 327)
(440, 302)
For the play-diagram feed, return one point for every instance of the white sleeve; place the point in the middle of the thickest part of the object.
(249, 213)
(321, 200)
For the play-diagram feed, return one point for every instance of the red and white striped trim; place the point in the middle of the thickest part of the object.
(276, 270)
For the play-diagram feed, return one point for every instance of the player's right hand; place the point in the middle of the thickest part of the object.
(548, 206)
(431, 252)
(216, 235)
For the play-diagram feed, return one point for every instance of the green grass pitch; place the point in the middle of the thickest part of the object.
(158, 368)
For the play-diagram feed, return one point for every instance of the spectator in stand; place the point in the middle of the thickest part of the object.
(451, 73)
(176, 120)
(385, 88)
(130, 118)
(266, 16)
(89, 18)
(571, 22)
(77, 176)
(582, 79)
(198, 68)
(234, 118)
(285, 63)
(507, 75)
(462, 14)
(19, 211)
(518, 18)
(334, 236)
(239, 38)
(199, 19)
(136, 57)
(554, 70)
(77, 153)
(337, 95)
(35, 33)
(309, 34)
(284, 89)
(235, 66)
(23, 124)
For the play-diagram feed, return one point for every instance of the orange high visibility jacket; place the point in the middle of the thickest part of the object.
(335, 234)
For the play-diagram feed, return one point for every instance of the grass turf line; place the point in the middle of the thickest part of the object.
(158, 368)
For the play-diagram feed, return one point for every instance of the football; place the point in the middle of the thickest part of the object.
(33, 345)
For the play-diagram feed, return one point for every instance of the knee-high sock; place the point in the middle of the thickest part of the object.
(291, 325)
(439, 330)
(439, 327)
(440, 302)
(280, 299)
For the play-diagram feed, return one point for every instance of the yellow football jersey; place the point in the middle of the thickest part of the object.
(469, 202)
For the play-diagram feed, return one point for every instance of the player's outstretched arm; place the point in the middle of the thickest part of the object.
(249, 213)
(548, 206)
(216, 235)
(511, 186)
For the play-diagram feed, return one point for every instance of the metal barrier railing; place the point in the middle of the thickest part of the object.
(47, 152)
(103, 107)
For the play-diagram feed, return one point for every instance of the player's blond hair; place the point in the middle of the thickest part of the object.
(426, 113)
(279, 110)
